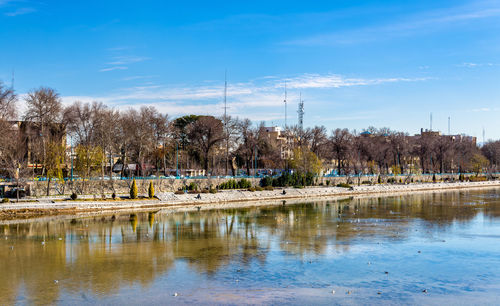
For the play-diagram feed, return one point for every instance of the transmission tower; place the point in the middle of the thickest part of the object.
(300, 111)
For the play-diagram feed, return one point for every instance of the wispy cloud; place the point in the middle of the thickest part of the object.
(259, 99)
(122, 62)
(126, 60)
(20, 11)
(475, 65)
(423, 22)
(336, 81)
(113, 68)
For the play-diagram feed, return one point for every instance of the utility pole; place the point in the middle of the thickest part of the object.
(431, 123)
(449, 130)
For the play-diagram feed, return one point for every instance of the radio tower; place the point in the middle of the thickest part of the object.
(285, 104)
(300, 111)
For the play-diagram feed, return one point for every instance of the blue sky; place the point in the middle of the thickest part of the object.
(356, 63)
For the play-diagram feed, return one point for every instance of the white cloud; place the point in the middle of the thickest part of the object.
(260, 99)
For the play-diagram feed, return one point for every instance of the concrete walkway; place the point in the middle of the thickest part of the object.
(166, 200)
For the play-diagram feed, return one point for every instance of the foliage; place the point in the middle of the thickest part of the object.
(266, 181)
(151, 190)
(88, 158)
(295, 179)
(133, 190)
(478, 163)
(5, 200)
(54, 162)
(74, 196)
(305, 161)
(233, 184)
(478, 179)
(179, 192)
(344, 185)
(113, 196)
(192, 186)
(213, 190)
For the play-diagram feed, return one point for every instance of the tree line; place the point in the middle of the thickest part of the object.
(100, 136)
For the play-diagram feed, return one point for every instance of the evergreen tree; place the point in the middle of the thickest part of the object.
(133, 190)
(151, 190)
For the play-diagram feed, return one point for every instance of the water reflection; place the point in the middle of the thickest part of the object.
(41, 261)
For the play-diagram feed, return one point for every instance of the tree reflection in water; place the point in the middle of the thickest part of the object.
(100, 256)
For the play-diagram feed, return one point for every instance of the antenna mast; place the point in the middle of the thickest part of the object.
(431, 123)
(301, 112)
(225, 97)
(285, 105)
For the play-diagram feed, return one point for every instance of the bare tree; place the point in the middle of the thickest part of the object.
(340, 145)
(8, 101)
(206, 133)
(43, 112)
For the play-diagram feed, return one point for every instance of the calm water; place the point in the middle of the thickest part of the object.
(447, 244)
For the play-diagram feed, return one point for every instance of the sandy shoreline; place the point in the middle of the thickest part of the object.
(225, 199)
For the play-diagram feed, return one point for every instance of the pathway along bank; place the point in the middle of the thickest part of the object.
(223, 199)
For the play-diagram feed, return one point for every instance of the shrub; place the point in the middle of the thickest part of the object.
(327, 182)
(477, 179)
(391, 180)
(434, 178)
(244, 183)
(5, 200)
(266, 181)
(366, 182)
(212, 190)
(344, 185)
(461, 177)
(151, 190)
(73, 196)
(192, 186)
(379, 180)
(113, 196)
(204, 191)
(133, 190)
(251, 189)
(258, 188)
(179, 192)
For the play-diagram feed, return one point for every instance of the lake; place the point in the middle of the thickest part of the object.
(428, 248)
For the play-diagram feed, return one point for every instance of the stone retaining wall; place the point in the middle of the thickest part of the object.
(97, 187)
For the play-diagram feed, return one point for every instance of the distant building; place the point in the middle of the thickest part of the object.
(280, 140)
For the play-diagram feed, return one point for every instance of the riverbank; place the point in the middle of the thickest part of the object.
(223, 199)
